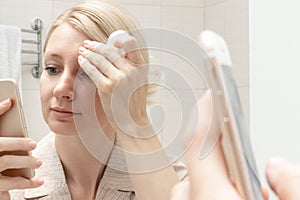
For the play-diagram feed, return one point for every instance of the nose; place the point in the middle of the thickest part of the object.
(64, 88)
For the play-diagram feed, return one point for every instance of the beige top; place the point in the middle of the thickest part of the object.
(114, 184)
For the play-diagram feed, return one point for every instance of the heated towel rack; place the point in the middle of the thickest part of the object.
(36, 28)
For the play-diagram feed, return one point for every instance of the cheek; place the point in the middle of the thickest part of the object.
(46, 91)
(84, 96)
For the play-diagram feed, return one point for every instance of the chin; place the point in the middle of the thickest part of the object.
(61, 128)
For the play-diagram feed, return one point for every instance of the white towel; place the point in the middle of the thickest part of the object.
(10, 53)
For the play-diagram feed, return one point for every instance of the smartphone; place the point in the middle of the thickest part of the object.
(229, 118)
(12, 124)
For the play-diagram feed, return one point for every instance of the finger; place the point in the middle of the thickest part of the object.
(265, 192)
(107, 51)
(14, 144)
(274, 167)
(4, 196)
(110, 54)
(195, 138)
(19, 162)
(132, 49)
(5, 106)
(99, 61)
(96, 76)
(284, 178)
(213, 173)
(11, 183)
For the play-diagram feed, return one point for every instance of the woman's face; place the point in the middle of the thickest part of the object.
(67, 94)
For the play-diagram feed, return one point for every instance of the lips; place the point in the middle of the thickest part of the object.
(61, 110)
(63, 113)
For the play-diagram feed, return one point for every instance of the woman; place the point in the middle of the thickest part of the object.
(86, 82)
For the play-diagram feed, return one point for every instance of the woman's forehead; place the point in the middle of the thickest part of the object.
(65, 36)
(64, 43)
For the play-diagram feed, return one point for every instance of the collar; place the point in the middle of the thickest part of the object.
(54, 178)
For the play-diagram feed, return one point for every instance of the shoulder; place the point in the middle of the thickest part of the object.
(45, 148)
(45, 143)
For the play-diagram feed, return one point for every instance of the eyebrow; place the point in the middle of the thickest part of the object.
(52, 56)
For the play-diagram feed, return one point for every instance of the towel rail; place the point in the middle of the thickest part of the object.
(30, 52)
(30, 42)
(30, 31)
(37, 26)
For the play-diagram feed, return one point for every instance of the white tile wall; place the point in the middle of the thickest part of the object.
(139, 2)
(237, 36)
(183, 70)
(60, 5)
(186, 3)
(185, 20)
(229, 18)
(188, 17)
(214, 18)
(20, 12)
(147, 15)
(212, 2)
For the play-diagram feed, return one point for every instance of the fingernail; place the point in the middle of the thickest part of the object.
(86, 42)
(38, 162)
(274, 166)
(80, 58)
(32, 144)
(82, 50)
(6, 102)
(40, 181)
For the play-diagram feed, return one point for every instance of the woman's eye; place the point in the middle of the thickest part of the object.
(52, 70)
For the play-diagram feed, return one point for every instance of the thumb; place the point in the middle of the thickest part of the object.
(284, 178)
(5, 106)
(133, 51)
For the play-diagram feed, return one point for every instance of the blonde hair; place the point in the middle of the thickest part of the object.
(98, 19)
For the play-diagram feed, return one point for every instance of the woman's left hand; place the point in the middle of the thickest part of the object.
(122, 81)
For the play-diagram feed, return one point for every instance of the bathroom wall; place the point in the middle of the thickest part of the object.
(230, 19)
(189, 17)
(274, 79)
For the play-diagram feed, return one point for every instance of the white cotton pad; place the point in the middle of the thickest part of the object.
(216, 47)
(120, 35)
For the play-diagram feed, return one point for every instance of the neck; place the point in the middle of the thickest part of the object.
(82, 170)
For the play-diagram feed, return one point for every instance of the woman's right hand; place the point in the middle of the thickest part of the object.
(10, 161)
(208, 178)
(284, 178)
